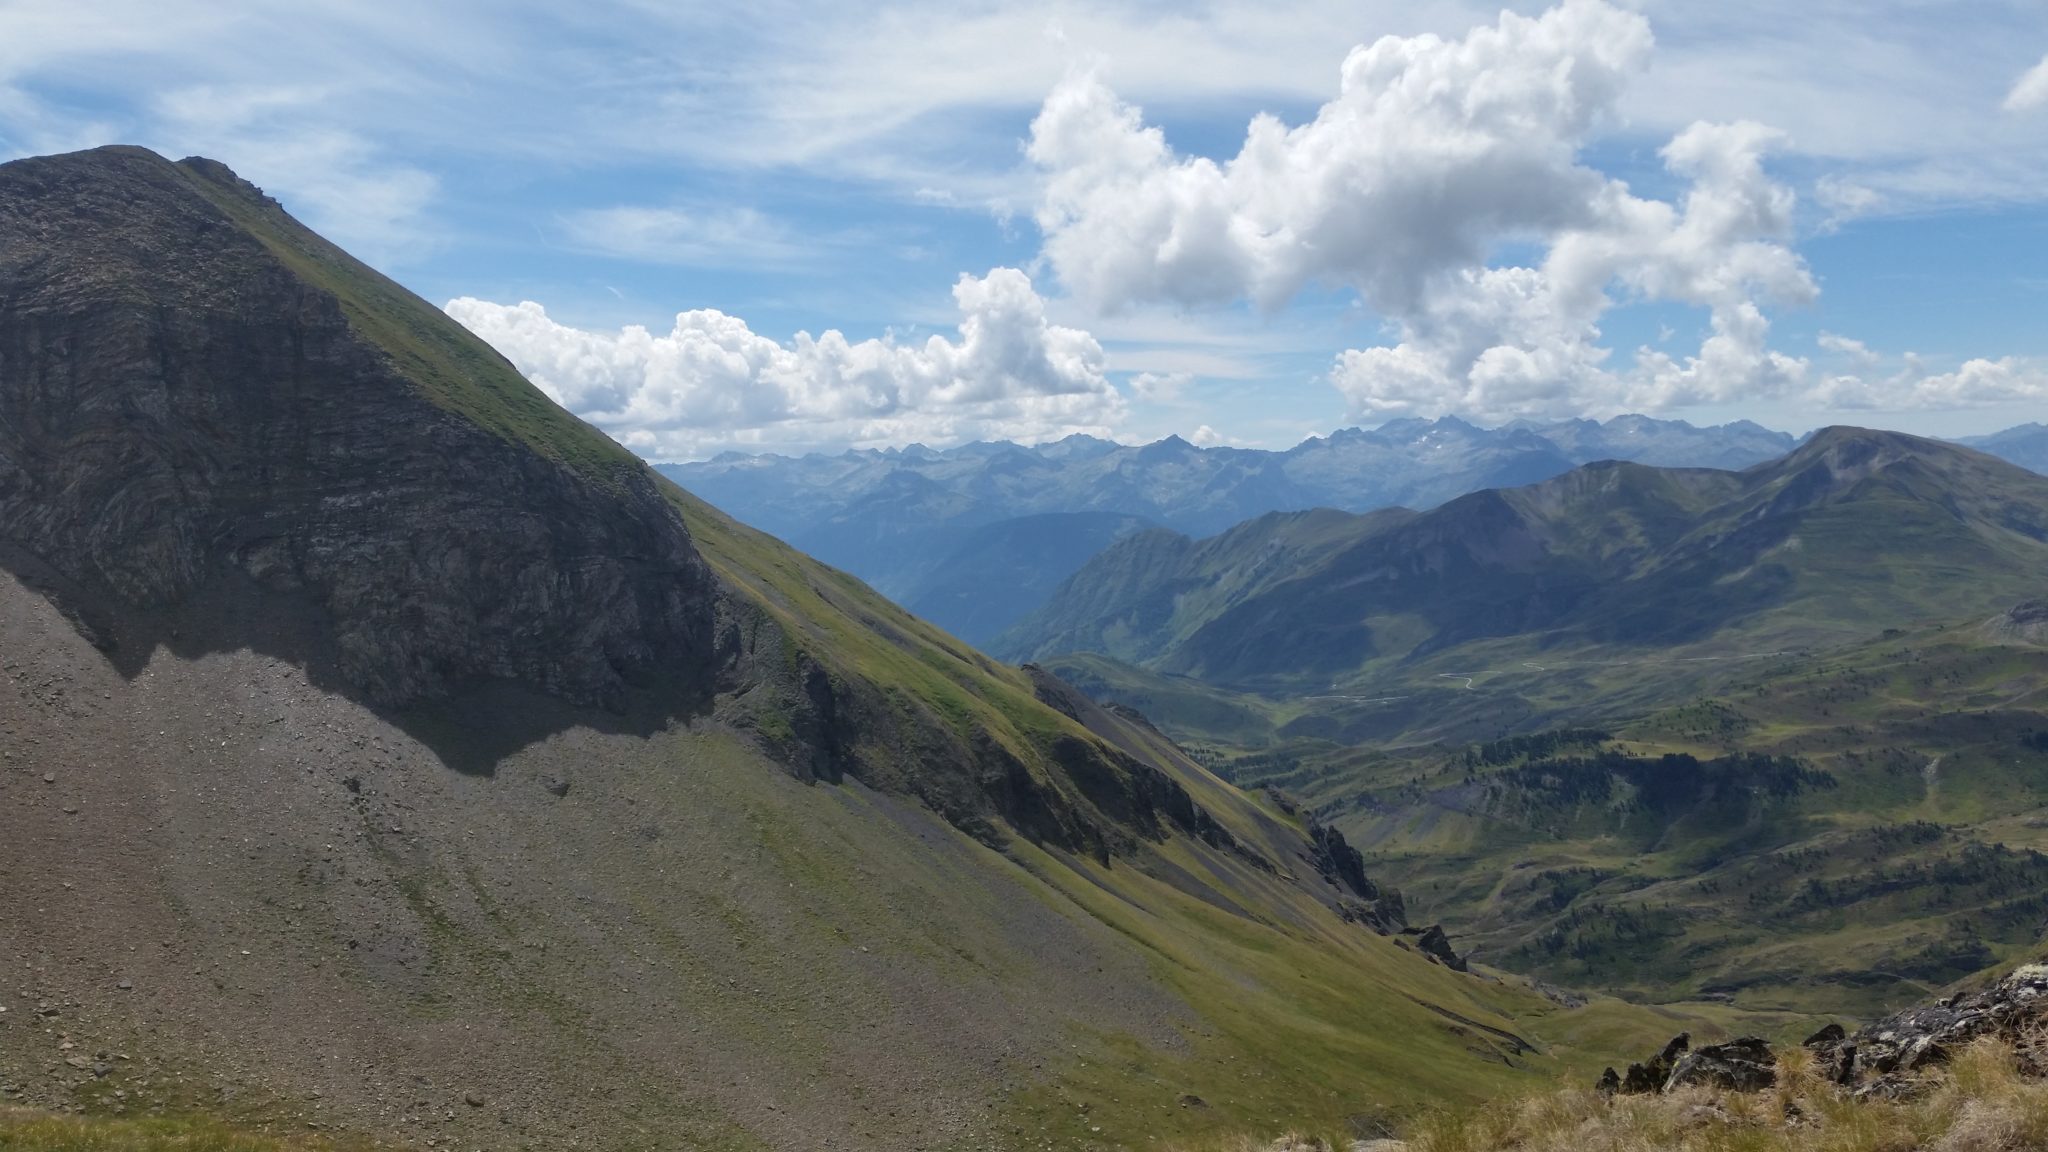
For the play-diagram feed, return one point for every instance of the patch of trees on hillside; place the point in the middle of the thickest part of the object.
(1533, 746)
(1667, 785)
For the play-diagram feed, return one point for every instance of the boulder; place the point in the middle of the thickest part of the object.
(1436, 945)
(1745, 1065)
(1827, 1037)
(1645, 1079)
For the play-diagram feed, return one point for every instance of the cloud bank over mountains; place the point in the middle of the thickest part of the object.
(1446, 184)
(713, 381)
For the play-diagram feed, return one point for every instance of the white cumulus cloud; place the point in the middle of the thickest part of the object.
(1431, 150)
(1513, 341)
(1909, 382)
(1435, 157)
(713, 382)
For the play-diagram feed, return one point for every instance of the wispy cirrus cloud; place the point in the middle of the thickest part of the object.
(925, 98)
(523, 137)
(703, 236)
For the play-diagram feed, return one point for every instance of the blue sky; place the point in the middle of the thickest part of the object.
(1033, 218)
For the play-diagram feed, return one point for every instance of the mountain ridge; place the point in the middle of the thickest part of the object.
(1612, 553)
(891, 516)
(591, 588)
(894, 516)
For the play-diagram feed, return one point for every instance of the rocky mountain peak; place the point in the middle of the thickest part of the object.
(220, 432)
(194, 404)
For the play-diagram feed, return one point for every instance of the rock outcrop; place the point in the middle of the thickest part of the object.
(1648, 1077)
(1343, 867)
(1435, 943)
(2024, 623)
(1744, 1065)
(1886, 1058)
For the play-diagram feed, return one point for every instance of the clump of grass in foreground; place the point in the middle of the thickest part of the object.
(24, 1130)
(1982, 1102)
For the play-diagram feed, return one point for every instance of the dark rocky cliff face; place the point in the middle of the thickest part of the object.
(180, 412)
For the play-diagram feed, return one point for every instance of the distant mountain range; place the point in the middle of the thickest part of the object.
(961, 536)
(2026, 445)
(1851, 532)
(975, 538)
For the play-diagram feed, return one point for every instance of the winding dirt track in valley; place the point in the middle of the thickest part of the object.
(1471, 678)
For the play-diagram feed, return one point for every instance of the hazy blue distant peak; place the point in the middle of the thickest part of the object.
(1407, 426)
(1171, 448)
(1079, 446)
(2026, 445)
(2017, 432)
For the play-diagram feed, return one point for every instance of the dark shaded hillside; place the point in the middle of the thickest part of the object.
(1135, 597)
(996, 574)
(1853, 532)
(2025, 445)
(382, 748)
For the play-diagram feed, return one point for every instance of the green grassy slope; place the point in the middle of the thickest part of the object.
(1337, 1020)
(453, 368)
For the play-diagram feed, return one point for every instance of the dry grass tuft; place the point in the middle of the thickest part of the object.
(1981, 1102)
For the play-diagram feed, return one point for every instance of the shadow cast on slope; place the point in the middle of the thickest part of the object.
(471, 728)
